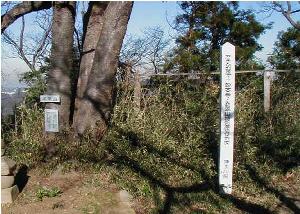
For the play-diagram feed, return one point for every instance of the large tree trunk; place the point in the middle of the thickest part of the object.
(93, 22)
(95, 109)
(59, 82)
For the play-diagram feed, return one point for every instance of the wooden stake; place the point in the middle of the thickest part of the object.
(227, 117)
(268, 75)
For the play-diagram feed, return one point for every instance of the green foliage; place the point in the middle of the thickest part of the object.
(36, 81)
(205, 26)
(286, 53)
(43, 192)
(25, 142)
(165, 152)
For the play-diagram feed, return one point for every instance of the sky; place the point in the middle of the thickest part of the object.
(145, 14)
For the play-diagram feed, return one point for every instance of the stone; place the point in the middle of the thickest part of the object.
(7, 166)
(124, 196)
(8, 195)
(2, 152)
(7, 181)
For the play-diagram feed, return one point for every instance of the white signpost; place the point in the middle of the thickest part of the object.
(50, 98)
(51, 120)
(227, 117)
(51, 115)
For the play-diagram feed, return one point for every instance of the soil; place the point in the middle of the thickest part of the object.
(86, 192)
(81, 193)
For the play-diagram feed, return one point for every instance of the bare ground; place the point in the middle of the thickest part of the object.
(87, 192)
(81, 193)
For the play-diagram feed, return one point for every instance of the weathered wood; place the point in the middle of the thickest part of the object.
(227, 117)
(218, 72)
(268, 76)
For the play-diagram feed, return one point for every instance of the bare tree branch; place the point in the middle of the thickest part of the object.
(32, 48)
(287, 12)
(20, 51)
(22, 34)
(21, 10)
(79, 43)
(147, 51)
(42, 44)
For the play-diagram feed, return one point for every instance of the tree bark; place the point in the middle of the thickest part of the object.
(58, 81)
(21, 10)
(95, 109)
(93, 21)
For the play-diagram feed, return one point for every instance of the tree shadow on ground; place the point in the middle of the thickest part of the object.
(172, 193)
(262, 182)
(21, 178)
(283, 153)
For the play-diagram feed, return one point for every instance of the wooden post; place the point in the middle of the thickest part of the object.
(268, 76)
(137, 92)
(227, 117)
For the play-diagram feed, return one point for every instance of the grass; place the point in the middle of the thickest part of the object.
(166, 154)
(43, 192)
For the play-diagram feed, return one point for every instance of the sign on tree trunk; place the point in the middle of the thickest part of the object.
(227, 117)
(51, 120)
(49, 98)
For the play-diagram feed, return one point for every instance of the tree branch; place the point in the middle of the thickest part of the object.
(42, 44)
(21, 10)
(287, 13)
(21, 53)
(22, 34)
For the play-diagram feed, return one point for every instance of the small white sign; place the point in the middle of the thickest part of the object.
(227, 117)
(50, 98)
(51, 120)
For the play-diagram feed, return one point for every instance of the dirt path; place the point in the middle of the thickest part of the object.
(81, 193)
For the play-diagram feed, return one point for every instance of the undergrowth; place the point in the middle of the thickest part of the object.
(167, 152)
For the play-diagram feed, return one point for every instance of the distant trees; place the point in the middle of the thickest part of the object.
(147, 51)
(204, 26)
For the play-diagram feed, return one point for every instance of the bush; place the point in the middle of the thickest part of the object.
(167, 152)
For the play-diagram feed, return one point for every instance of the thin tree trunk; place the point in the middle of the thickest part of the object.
(93, 21)
(95, 109)
(59, 82)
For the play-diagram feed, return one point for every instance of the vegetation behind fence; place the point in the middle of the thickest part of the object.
(164, 152)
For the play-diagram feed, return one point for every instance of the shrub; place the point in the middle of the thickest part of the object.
(167, 152)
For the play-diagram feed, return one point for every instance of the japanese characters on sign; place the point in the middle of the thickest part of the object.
(227, 117)
(50, 98)
(51, 120)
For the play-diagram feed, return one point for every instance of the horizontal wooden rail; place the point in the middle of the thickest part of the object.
(218, 72)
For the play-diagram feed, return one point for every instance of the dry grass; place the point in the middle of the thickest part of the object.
(166, 154)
